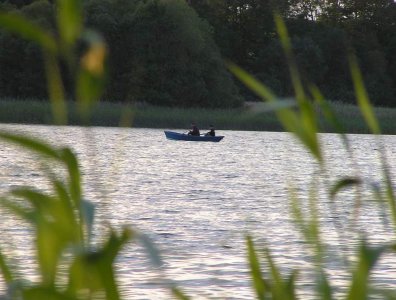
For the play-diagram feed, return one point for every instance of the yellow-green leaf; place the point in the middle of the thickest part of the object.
(55, 89)
(367, 259)
(70, 20)
(178, 294)
(362, 97)
(91, 74)
(5, 270)
(260, 287)
(28, 30)
(343, 183)
(252, 83)
(287, 48)
(32, 144)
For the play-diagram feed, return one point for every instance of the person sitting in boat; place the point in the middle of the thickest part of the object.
(211, 131)
(194, 130)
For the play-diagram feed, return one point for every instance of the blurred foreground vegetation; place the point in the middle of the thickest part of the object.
(170, 53)
(71, 267)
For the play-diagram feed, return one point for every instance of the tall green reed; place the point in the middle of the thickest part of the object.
(301, 120)
(61, 218)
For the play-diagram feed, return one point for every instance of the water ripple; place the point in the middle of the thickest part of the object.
(197, 201)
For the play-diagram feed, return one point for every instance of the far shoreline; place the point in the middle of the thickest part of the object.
(252, 117)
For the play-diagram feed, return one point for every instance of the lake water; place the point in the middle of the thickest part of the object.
(197, 202)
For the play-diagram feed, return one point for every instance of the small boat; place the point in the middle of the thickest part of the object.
(170, 135)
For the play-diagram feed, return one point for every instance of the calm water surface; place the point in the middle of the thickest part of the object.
(197, 201)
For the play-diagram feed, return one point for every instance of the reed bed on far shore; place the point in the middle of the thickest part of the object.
(252, 117)
(351, 118)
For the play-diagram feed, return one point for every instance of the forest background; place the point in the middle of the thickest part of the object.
(173, 52)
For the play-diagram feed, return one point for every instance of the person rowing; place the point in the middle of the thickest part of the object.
(211, 131)
(194, 130)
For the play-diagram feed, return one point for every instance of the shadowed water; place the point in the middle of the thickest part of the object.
(197, 201)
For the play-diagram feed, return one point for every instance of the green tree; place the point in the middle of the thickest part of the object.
(273, 69)
(114, 19)
(17, 3)
(181, 63)
(21, 71)
(307, 9)
(162, 53)
(374, 66)
(165, 52)
(241, 27)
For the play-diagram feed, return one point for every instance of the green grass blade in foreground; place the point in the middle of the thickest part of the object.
(8, 275)
(328, 112)
(70, 20)
(151, 250)
(88, 215)
(44, 293)
(343, 183)
(16, 209)
(323, 288)
(307, 116)
(54, 230)
(93, 271)
(287, 48)
(362, 97)
(371, 120)
(71, 163)
(178, 294)
(55, 89)
(31, 144)
(259, 284)
(280, 288)
(253, 84)
(308, 226)
(127, 117)
(302, 125)
(307, 111)
(367, 259)
(313, 223)
(50, 243)
(287, 117)
(91, 74)
(389, 191)
(69, 222)
(28, 30)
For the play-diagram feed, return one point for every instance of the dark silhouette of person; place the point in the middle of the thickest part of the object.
(211, 131)
(194, 130)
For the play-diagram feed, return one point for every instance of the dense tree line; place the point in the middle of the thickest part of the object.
(171, 52)
(161, 52)
(323, 33)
